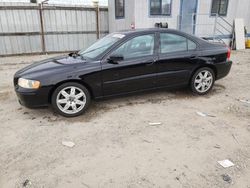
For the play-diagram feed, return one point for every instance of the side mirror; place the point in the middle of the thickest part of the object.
(73, 54)
(114, 59)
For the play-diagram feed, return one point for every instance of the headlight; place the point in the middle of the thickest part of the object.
(29, 84)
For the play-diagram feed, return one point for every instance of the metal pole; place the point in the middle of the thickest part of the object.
(42, 28)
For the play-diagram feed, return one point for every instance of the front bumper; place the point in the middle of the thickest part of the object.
(32, 98)
(223, 69)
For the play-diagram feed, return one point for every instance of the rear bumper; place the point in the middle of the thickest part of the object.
(32, 98)
(223, 69)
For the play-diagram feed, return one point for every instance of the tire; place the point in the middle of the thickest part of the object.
(202, 81)
(70, 99)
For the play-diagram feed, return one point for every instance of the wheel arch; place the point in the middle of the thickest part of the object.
(71, 80)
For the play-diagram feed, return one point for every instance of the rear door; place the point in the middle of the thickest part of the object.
(178, 56)
(136, 72)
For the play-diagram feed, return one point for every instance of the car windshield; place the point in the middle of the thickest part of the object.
(100, 46)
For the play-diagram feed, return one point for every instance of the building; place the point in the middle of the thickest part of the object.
(204, 18)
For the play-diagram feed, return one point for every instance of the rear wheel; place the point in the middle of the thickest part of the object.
(70, 99)
(202, 81)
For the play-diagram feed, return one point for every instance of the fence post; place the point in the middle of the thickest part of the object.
(42, 27)
(97, 10)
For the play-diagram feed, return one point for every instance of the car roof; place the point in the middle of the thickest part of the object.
(143, 31)
(138, 31)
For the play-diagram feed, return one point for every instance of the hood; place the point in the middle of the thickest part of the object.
(52, 64)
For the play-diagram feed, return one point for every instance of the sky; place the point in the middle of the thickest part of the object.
(78, 2)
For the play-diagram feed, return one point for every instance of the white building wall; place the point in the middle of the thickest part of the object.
(143, 19)
(121, 23)
(137, 13)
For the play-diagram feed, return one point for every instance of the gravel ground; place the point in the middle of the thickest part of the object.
(115, 146)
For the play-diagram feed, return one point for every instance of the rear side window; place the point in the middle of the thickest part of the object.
(175, 43)
(191, 45)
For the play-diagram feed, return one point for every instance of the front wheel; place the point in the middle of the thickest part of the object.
(202, 81)
(70, 99)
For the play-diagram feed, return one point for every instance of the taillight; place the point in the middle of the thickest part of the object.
(228, 54)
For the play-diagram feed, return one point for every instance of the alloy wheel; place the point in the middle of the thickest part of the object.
(203, 81)
(71, 100)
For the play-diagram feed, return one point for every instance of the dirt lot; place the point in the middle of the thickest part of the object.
(116, 147)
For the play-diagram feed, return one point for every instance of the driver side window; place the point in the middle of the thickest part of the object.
(136, 47)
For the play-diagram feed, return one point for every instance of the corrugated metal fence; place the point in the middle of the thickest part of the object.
(27, 28)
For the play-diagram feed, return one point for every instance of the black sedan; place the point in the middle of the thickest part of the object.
(122, 63)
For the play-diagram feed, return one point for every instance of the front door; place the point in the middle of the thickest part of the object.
(188, 16)
(137, 70)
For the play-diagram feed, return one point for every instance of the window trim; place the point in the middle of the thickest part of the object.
(160, 14)
(218, 13)
(120, 17)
